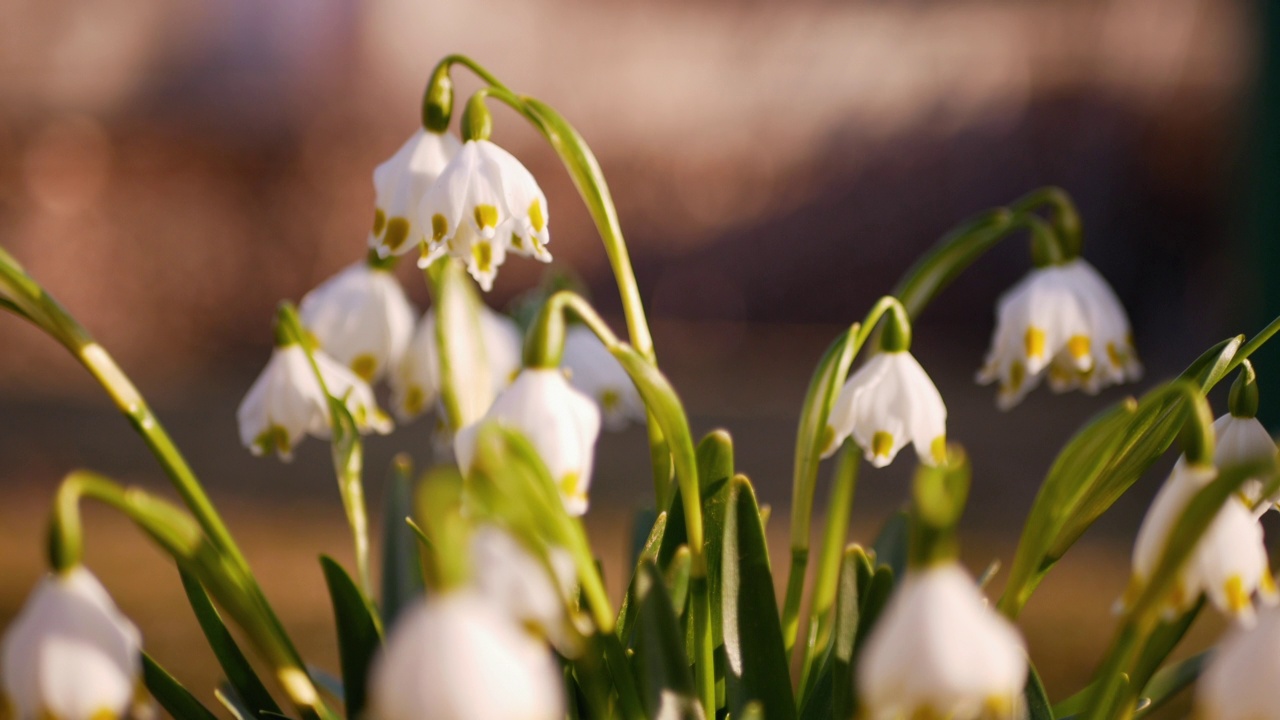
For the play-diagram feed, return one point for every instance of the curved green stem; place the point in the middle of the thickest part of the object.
(1066, 218)
(181, 537)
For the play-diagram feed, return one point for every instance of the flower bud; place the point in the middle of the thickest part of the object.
(70, 654)
(561, 423)
(456, 656)
(939, 651)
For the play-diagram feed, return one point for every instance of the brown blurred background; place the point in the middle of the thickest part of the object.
(170, 170)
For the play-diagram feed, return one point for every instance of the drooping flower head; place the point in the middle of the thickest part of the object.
(1228, 564)
(1239, 683)
(400, 183)
(457, 656)
(416, 383)
(70, 654)
(561, 423)
(483, 204)
(1242, 439)
(361, 318)
(1065, 321)
(508, 575)
(286, 402)
(890, 402)
(597, 373)
(938, 650)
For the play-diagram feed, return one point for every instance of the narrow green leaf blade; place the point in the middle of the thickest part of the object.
(1038, 706)
(359, 634)
(172, 696)
(890, 545)
(240, 675)
(757, 661)
(662, 667)
(402, 580)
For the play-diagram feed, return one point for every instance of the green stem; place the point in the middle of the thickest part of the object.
(1066, 218)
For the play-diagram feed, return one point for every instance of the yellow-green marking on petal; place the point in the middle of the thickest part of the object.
(364, 365)
(483, 254)
(1035, 342)
(1237, 598)
(439, 227)
(536, 218)
(938, 449)
(379, 221)
(397, 232)
(881, 444)
(1078, 346)
(486, 216)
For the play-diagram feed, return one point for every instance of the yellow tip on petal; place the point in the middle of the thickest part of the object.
(439, 227)
(1035, 341)
(364, 365)
(1237, 598)
(536, 218)
(938, 449)
(1078, 346)
(379, 221)
(397, 233)
(483, 254)
(486, 216)
(881, 444)
(414, 399)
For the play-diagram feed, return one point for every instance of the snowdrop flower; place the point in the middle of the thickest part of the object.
(415, 383)
(533, 594)
(560, 422)
(70, 654)
(1229, 563)
(889, 402)
(597, 373)
(1239, 683)
(361, 318)
(444, 656)
(939, 651)
(286, 402)
(1064, 320)
(400, 183)
(483, 204)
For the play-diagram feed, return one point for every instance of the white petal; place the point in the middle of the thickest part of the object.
(361, 318)
(1239, 683)
(598, 374)
(890, 402)
(400, 184)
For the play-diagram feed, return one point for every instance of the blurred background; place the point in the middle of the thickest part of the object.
(171, 170)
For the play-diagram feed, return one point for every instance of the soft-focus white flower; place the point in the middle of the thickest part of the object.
(484, 365)
(889, 402)
(483, 204)
(1228, 564)
(560, 422)
(361, 318)
(596, 372)
(534, 594)
(457, 656)
(70, 654)
(1064, 320)
(400, 184)
(939, 651)
(1243, 440)
(286, 402)
(1239, 683)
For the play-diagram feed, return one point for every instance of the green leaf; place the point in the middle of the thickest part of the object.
(757, 661)
(715, 468)
(676, 577)
(359, 635)
(172, 696)
(890, 546)
(1170, 681)
(662, 668)
(240, 675)
(845, 637)
(328, 683)
(401, 564)
(647, 552)
(1038, 707)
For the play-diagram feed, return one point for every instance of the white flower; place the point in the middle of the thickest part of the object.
(286, 402)
(889, 402)
(596, 372)
(560, 422)
(400, 183)
(1239, 683)
(1063, 319)
(361, 318)
(1229, 563)
(532, 593)
(484, 203)
(415, 383)
(70, 654)
(456, 656)
(1243, 440)
(939, 651)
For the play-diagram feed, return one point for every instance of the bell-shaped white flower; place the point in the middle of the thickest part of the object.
(456, 656)
(70, 654)
(484, 203)
(596, 372)
(1244, 440)
(560, 422)
(400, 184)
(286, 402)
(940, 651)
(361, 318)
(1239, 683)
(1063, 320)
(889, 402)
(484, 365)
(1229, 563)
(533, 593)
